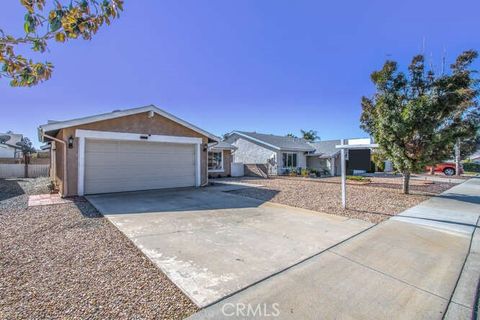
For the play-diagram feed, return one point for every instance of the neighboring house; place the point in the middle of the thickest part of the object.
(9, 149)
(276, 152)
(475, 157)
(126, 150)
(220, 158)
(279, 153)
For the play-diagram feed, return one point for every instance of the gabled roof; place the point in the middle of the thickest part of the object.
(325, 148)
(54, 126)
(276, 142)
(222, 145)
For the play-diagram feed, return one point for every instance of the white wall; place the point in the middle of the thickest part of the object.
(251, 153)
(237, 169)
(6, 151)
(9, 152)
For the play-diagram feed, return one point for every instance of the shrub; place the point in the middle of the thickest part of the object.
(471, 167)
(358, 178)
(304, 172)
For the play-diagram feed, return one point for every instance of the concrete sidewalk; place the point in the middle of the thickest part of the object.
(422, 264)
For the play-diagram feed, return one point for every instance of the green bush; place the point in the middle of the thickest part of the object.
(471, 167)
(358, 178)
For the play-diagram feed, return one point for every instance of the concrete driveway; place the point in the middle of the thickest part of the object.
(421, 264)
(212, 244)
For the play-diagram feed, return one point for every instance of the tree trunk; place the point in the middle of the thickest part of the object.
(25, 159)
(406, 182)
(457, 158)
(432, 169)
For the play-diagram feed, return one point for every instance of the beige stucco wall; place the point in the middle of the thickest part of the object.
(227, 165)
(138, 123)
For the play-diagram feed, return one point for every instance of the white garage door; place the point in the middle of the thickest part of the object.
(116, 166)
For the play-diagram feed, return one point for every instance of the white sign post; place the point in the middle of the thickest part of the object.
(344, 176)
(343, 148)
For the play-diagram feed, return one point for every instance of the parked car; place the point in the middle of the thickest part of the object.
(448, 168)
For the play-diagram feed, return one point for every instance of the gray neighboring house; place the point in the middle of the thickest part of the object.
(279, 153)
(10, 150)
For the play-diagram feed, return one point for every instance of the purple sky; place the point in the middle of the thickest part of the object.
(269, 66)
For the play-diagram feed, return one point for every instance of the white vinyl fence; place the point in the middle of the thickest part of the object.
(18, 170)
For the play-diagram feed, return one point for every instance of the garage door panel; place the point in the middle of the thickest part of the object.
(100, 173)
(100, 146)
(132, 162)
(116, 166)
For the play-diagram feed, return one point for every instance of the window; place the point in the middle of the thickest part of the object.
(289, 160)
(215, 161)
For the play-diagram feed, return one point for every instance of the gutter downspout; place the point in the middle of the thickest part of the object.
(65, 184)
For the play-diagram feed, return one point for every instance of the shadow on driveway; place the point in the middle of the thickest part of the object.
(171, 200)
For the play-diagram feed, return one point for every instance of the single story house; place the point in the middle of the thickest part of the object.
(280, 153)
(220, 158)
(8, 146)
(475, 157)
(127, 150)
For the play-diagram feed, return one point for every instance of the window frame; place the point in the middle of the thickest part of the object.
(222, 169)
(286, 156)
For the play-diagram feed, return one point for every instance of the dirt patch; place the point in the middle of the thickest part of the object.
(373, 202)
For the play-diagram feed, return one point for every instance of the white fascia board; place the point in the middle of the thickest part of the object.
(256, 140)
(357, 146)
(107, 135)
(118, 114)
(221, 148)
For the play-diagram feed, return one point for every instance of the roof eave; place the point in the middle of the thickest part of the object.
(112, 115)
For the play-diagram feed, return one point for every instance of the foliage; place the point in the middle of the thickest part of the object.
(26, 146)
(310, 135)
(60, 23)
(358, 178)
(417, 117)
(471, 167)
(291, 135)
(469, 146)
(304, 172)
(379, 158)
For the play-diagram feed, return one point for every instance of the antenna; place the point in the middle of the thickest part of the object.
(444, 60)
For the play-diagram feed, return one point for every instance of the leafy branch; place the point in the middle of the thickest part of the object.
(80, 19)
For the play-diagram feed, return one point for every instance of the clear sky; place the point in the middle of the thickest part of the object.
(270, 66)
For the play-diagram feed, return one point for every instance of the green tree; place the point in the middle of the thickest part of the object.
(27, 148)
(310, 135)
(469, 146)
(60, 22)
(291, 135)
(417, 117)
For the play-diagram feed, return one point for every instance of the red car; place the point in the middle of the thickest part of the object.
(448, 168)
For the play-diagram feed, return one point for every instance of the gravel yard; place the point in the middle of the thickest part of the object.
(66, 261)
(373, 202)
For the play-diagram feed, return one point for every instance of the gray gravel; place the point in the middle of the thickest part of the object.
(67, 261)
(373, 202)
